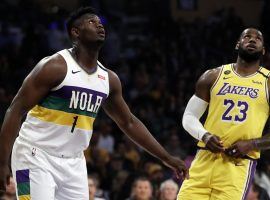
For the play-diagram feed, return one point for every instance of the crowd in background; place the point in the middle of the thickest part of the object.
(158, 60)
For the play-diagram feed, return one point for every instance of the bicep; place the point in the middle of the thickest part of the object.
(115, 105)
(30, 93)
(37, 85)
(204, 84)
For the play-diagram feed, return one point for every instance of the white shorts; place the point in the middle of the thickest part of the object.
(40, 176)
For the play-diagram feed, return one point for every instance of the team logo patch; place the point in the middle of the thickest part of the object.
(227, 72)
(101, 77)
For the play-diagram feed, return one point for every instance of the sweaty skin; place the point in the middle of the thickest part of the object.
(251, 40)
(87, 35)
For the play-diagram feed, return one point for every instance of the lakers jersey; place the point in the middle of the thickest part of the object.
(238, 107)
(62, 123)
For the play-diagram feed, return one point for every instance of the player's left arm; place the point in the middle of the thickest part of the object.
(243, 147)
(262, 143)
(116, 107)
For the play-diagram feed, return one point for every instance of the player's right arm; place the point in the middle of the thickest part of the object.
(196, 107)
(48, 73)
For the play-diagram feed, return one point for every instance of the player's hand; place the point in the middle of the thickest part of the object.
(213, 143)
(4, 177)
(240, 148)
(178, 166)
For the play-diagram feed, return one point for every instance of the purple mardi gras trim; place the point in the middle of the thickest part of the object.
(66, 91)
(22, 176)
(251, 172)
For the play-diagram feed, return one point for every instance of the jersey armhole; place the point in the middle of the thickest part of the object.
(61, 84)
(221, 70)
(105, 70)
(267, 88)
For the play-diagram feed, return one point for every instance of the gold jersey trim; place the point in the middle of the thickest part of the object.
(62, 118)
(219, 75)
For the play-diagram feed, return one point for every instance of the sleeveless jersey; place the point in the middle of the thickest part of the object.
(238, 107)
(62, 123)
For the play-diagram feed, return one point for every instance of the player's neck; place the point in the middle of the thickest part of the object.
(87, 58)
(246, 68)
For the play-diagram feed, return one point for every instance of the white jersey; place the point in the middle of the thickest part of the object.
(62, 123)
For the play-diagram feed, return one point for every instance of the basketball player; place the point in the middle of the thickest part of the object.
(238, 98)
(63, 95)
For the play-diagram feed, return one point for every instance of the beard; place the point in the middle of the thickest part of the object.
(249, 56)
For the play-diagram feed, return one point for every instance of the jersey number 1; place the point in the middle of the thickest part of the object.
(74, 123)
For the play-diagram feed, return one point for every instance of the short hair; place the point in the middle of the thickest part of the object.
(94, 179)
(76, 15)
(168, 182)
(141, 178)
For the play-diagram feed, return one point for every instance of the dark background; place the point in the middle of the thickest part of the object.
(158, 49)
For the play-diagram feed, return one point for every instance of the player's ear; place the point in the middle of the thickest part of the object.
(263, 51)
(237, 45)
(74, 32)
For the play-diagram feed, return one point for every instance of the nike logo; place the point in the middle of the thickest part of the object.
(224, 78)
(75, 72)
(101, 77)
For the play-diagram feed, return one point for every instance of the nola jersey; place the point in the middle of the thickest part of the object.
(62, 123)
(238, 107)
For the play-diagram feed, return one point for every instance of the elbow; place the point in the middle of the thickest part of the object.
(127, 123)
(185, 121)
(16, 109)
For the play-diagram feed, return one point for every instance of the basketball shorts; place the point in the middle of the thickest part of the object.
(217, 177)
(40, 176)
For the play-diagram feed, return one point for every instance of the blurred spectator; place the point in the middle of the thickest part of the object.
(257, 193)
(4, 103)
(118, 184)
(141, 189)
(158, 60)
(96, 159)
(262, 176)
(131, 153)
(105, 139)
(173, 145)
(116, 165)
(168, 190)
(125, 149)
(155, 173)
(57, 37)
(93, 186)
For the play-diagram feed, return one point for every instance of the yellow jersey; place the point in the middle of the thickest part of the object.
(238, 107)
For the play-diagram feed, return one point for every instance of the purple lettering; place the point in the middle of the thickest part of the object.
(234, 90)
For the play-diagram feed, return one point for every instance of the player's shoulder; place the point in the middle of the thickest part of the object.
(51, 69)
(114, 82)
(213, 72)
(208, 78)
(55, 60)
(112, 75)
(264, 72)
(53, 64)
(210, 75)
